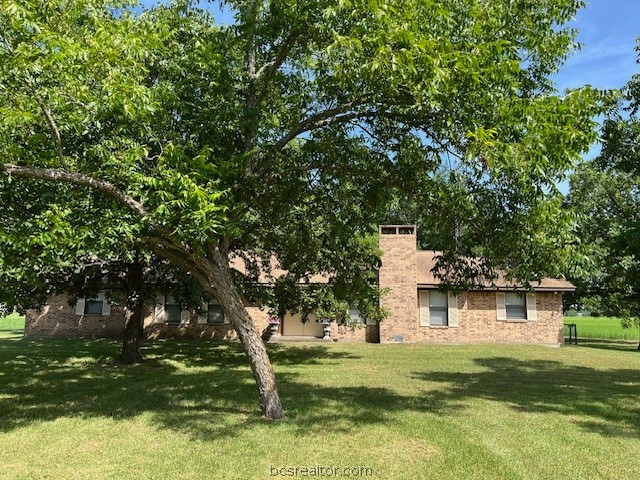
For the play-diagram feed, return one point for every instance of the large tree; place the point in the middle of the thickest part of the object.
(608, 205)
(606, 193)
(49, 246)
(286, 133)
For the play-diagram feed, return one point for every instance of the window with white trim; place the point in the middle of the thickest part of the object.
(516, 306)
(98, 305)
(438, 309)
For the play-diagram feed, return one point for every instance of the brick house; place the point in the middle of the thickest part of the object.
(417, 310)
(501, 312)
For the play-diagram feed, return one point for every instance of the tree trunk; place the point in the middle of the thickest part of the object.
(134, 315)
(214, 275)
(222, 286)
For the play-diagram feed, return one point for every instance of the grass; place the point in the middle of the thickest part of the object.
(404, 411)
(602, 327)
(12, 322)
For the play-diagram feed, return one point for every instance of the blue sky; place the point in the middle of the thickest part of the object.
(608, 31)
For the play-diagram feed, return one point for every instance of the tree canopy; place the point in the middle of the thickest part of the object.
(606, 194)
(287, 133)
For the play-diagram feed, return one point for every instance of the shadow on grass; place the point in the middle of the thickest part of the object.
(202, 388)
(205, 389)
(601, 401)
(602, 344)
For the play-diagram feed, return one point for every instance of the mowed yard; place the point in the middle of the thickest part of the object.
(402, 411)
(603, 328)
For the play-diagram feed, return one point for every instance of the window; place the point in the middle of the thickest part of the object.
(169, 310)
(98, 305)
(355, 316)
(438, 309)
(172, 310)
(93, 306)
(516, 306)
(215, 314)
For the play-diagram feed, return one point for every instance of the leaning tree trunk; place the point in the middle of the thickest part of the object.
(214, 275)
(222, 286)
(134, 314)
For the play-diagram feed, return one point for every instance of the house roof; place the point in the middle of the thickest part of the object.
(426, 262)
(272, 271)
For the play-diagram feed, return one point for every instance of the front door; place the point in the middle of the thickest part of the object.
(293, 326)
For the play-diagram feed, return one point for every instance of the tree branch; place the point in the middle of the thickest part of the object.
(29, 82)
(250, 124)
(50, 120)
(269, 69)
(324, 118)
(78, 179)
(54, 129)
(168, 251)
(77, 102)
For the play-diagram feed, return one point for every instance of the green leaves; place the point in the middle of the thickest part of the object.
(608, 203)
(289, 132)
(185, 196)
(606, 195)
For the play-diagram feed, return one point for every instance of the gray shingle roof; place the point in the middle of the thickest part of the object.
(426, 261)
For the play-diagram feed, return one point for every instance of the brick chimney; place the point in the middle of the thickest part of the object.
(398, 271)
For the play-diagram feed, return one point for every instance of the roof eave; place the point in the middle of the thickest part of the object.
(502, 289)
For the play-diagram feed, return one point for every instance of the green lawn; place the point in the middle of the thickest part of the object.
(12, 322)
(602, 327)
(404, 411)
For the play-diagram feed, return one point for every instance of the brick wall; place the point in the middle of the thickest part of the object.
(193, 329)
(477, 316)
(477, 322)
(398, 274)
(59, 319)
(359, 333)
